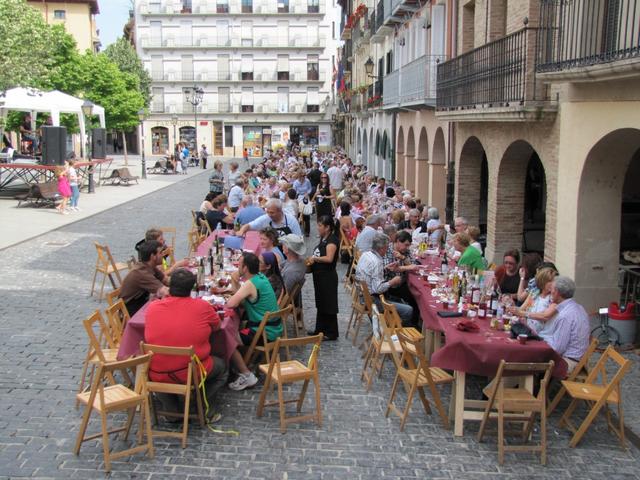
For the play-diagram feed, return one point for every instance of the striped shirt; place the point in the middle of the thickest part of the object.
(570, 333)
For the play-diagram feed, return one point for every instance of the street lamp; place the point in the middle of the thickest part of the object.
(87, 110)
(141, 116)
(368, 68)
(194, 97)
(174, 122)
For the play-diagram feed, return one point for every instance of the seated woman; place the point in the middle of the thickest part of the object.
(435, 228)
(474, 233)
(269, 243)
(539, 309)
(470, 257)
(269, 268)
(530, 265)
(398, 217)
(347, 225)
(507, 274)
(206, 204)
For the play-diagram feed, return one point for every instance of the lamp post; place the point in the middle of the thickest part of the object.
(87, 110)
(194, 97)
(141, 116)
(174, 122)
(368, 68)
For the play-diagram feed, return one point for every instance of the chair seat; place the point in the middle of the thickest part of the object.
(292, 370)
(438, 375)
(115, 397)
(110, 355)
(589, 391)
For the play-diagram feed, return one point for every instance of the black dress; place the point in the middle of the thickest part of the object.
(325, 285)
(324, 207)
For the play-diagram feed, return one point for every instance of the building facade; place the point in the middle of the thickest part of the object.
(78, 18)
(542, 98)
(264, 68)
(389, 112)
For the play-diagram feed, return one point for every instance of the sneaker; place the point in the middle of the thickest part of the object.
(245, 380)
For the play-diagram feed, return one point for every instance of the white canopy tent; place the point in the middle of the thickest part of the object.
(54, 102)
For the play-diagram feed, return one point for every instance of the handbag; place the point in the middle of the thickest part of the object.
(522, 329)
(307, 208)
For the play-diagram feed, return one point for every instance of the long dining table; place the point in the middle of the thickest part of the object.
(472, 352)
(223, 341)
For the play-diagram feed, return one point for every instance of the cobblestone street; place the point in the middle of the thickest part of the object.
(44, 288)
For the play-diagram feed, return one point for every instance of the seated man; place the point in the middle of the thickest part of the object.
(276, 218)
(248, 211)
(217, 216)
(181, 321)
(569, 335)
(257, 297)
(157, 235)
(294, 269)
(370, 270)
(364, 238)
(145, 278)
(398, 253)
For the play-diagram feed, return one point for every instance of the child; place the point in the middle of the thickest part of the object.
(73, 183)
(63, 188)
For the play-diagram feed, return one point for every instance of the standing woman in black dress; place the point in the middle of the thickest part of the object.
(325, 279)
(323, 197)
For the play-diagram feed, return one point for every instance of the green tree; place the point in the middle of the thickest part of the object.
(25, 45)
(114, 90)
(125, 57)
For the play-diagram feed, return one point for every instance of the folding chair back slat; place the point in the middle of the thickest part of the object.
(262, 334)
(118, 316)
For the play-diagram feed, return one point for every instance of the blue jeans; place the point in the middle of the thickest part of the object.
(75, 195)
(405, 312)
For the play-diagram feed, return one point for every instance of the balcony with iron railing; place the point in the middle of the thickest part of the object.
(226, 76)
(233, 8)
(412, 85)
(588, 39)
(214, 107)
(494, 82)
(232, 42)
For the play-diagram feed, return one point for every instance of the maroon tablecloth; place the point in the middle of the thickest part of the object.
(421, 291)
(224, 341)
(480, 352)
(251, 242)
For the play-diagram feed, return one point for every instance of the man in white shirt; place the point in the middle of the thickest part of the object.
(236, 194)
(284, 223)
(364, 238)
(336, 176)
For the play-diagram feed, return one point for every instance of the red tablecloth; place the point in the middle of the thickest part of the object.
(224, 341)
(251, 242)
(480, 352)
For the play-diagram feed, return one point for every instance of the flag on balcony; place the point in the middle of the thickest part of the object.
(340, 81)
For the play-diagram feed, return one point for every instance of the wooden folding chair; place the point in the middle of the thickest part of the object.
(361, 303)
(117, 397)
(579, 373)
(298, 312)
(350, 274)
(117, 318)
(518, 405)
(184, 390)
(194, 240)
(283, 299)
(598, 394)
(346, 245)
(96, 353)
(205, 228)
(261, 334)
(282, 372)
(169, 233)
(108, 268)
(417, 376)
(112, 296)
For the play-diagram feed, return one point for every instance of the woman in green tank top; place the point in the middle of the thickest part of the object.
(265, 302)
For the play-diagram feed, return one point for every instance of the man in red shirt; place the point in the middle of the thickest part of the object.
(181, 321)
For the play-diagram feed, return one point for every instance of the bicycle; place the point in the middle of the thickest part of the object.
(605, 333)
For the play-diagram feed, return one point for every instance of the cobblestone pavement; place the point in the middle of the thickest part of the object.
(44, 289)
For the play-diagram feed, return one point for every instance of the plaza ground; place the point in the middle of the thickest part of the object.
(44, 288)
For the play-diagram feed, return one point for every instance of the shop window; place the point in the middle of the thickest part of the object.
(228, 135)
(188, 136)
(159, 141)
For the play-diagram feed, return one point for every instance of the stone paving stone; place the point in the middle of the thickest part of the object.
(44, 291)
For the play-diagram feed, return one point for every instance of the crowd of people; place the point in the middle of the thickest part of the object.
(278, 198)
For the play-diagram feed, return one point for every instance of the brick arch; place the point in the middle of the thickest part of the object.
(468, 175)
(399, 154)
(598, 222)
(419, 169)
(505, 218)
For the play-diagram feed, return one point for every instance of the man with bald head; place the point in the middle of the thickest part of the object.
(282, 222)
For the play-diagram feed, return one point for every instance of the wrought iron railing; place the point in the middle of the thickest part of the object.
(379, 15)
(499, 73)
(587, 32)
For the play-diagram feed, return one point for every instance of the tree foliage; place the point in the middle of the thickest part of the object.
(124, 55)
